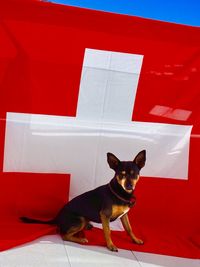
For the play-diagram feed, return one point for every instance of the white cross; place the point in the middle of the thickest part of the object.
(58, 144)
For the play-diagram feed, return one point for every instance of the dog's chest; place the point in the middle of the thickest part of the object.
(119, 211)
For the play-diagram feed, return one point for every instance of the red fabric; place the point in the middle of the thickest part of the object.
(41, 54)
(29, 194)
(156, 241)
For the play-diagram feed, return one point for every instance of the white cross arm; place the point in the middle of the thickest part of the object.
(78, 146)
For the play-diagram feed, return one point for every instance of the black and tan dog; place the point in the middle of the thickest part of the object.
(101, 205)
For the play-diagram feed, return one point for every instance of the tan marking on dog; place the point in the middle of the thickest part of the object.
(106, 229)
(120, 181)
(73, 232)
(118, 211)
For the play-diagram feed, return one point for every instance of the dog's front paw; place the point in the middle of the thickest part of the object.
(138, 241)
(112, 247)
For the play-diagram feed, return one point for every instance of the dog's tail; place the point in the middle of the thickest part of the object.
(30, 220)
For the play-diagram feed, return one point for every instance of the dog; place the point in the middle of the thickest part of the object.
(104, 204)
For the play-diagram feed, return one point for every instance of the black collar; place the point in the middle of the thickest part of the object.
(130, 203)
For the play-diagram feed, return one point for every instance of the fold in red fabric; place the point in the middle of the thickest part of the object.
(29, 194)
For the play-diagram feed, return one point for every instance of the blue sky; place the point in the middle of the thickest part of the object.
(178, 11)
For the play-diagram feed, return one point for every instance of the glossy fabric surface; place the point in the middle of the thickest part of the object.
(42, 51)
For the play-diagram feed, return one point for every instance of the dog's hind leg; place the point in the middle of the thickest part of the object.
(73, 232)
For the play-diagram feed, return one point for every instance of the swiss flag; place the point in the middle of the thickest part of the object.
(42, 50)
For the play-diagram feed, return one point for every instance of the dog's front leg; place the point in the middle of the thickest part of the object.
(106, 228)
(128, 228)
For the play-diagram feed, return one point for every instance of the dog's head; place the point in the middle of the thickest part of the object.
(127, 173)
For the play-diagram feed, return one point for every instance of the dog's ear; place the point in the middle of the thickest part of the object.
(140, 159)
(113, 161)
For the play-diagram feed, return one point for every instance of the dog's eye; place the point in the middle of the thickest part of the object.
(122, 175)
(133, 174)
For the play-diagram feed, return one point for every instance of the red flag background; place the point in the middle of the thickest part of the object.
(41, 53)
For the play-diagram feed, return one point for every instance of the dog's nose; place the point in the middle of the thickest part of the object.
(129, 187)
